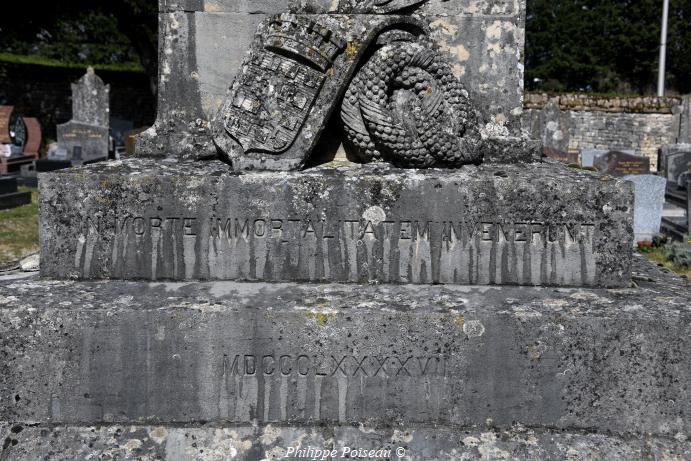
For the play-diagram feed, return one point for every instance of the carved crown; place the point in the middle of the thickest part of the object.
(304, 39)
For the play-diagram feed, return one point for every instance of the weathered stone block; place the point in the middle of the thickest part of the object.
(534, 224)
(124, 352)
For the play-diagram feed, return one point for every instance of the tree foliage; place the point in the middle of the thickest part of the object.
(571, 45)
(604, 45)
(89, 32)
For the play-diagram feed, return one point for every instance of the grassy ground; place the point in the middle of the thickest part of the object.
(19, 229)
(657, 255)
(42, 61)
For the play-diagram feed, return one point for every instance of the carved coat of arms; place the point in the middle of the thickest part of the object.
(402, 103)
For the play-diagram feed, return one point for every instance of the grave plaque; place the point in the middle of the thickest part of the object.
(91, 140)
(617, 163)
(560, 155)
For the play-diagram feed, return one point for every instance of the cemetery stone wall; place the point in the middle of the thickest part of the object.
(643, 124)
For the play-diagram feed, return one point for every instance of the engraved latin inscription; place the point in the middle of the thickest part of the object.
(284, 229)
(482, 250)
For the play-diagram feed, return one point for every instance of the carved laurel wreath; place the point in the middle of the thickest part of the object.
(406, 107)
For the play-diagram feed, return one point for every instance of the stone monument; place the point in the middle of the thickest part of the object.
(143, 318)
(84, 139)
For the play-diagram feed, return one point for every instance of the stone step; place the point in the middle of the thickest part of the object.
(251, 443)
(127, 352)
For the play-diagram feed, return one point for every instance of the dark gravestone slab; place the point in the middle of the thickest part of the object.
(91, 140)
(668, 152)
(560, 155)
(33, 136)
(9, 196)
(617, 163)
(45, 166)
(684, 178)
(8, 184)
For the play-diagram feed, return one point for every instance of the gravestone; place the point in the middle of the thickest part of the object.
(142, 316)
(88, 130)
(679, 154)
(649, 199)
(20, 139)
(12, 130)
(5, 121)
(676, 165)
(588, 156)
(33, 136)
(617, 163)
(683, 180)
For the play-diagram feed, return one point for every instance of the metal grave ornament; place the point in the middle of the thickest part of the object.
(399, 100)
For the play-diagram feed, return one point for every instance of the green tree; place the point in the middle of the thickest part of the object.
(88, 32)
(603, 45)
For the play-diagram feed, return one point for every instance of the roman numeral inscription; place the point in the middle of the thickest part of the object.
(334, 365)
(279, 248)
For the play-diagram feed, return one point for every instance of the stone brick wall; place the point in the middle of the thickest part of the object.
(577, 122)
(45, 92)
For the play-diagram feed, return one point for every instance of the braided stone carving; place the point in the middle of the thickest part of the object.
(406, 107)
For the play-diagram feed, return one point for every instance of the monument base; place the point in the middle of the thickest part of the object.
(214, 357)
(518, 224)
(260, 442)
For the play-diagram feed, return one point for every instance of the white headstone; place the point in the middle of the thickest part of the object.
(649, 192)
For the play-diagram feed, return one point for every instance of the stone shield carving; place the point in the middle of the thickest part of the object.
(298, 71)
(280, 84)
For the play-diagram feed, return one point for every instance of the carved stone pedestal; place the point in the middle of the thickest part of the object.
(229, 370)
(522, 224)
